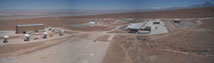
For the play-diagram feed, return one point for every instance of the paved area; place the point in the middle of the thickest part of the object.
(159, 28)
(75, 50)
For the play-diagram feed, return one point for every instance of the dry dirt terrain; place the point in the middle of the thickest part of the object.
(108, 43)
(179, 13)
(60, 22)
(84, 45)
(193, 45)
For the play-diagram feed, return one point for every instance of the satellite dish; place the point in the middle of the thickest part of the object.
(5, 36)
(27, 35)
(5, 39)
(45, 33)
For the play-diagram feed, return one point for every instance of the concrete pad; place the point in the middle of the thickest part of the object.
(159, 28)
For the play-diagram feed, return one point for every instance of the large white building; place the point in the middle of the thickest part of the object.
(149, 26)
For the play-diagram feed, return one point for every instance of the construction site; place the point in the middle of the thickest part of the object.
(108, 40)
(180, 35)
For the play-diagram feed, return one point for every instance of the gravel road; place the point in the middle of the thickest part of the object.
(75, 50)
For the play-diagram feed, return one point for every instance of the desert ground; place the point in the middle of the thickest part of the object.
(107, 41)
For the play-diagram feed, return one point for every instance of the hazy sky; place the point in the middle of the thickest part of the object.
(93, 4)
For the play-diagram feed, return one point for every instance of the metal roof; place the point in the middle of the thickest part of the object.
(30, 25)
(135, 25)
(142, 25)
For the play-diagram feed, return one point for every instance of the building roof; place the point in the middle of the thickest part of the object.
(30, 25)
(142, 25)
(135, 25)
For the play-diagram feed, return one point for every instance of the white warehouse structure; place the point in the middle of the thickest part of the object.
(147, 27)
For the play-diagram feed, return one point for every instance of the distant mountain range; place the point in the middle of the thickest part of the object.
(206, 4)
(82, 12)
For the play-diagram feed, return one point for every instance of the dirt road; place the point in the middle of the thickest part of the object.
(75, 50)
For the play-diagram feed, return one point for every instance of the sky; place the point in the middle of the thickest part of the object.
(94, 4)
